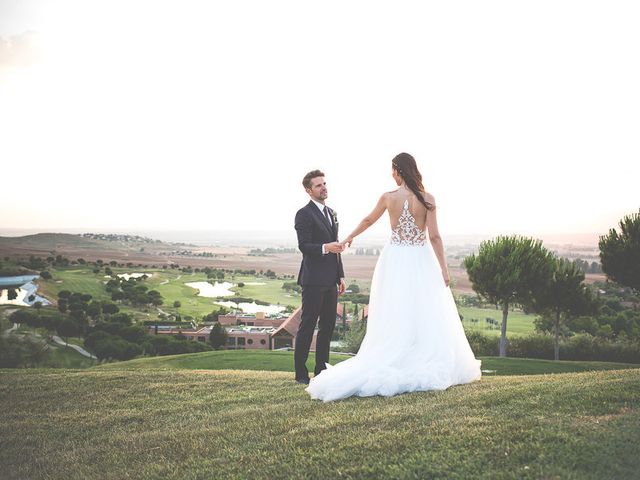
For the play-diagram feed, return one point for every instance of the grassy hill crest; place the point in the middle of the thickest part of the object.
(255, 424)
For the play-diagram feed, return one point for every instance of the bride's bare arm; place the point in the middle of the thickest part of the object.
(435, 238)
(368, 220)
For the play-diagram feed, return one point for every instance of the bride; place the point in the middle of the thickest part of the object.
(414, 338)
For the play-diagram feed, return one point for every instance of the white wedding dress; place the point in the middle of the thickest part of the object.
(414, 338)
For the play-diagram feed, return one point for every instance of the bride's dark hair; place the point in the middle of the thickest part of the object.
(406, 166)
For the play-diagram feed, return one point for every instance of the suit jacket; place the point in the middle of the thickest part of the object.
(313, 230)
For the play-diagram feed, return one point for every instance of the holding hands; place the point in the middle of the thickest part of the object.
(338, 247)
(347, 241)
(334, 247)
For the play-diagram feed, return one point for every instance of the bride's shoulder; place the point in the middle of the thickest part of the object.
(429, 198)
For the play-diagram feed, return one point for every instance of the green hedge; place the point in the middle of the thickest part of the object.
(577, 347)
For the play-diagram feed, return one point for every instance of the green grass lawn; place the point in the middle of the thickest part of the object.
(517, 322)
(67, 357)
(172, 424)
(221, 360)
(75, 279)
(283, 361)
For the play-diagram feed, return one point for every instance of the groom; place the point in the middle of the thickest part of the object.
(321, 275)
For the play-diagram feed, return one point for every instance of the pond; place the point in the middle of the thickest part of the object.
(16, 281)
(205, 289)
(253, 307)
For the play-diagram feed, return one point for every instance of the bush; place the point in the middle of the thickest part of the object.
(588, 347)
(112, 347)
(482, 344)
(95, 337)
(16, 352)
(24, 316)
(122, 318)
(135, 334)
(578, 347)
(352, 338)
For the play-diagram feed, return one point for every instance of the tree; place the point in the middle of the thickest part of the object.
(177, 304)
(24, 316)
(62, 305)
(67, 328)
(352, 339)
(354, 288)
(110, 308)
(64, 294)
(218, 336)
(213, 316)
(37, 305)
(80, 317)
(94, 310)
(566, 296)
(117, 348)
(620, 253)
(509, 271)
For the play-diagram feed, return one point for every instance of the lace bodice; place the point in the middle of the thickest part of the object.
(407, 232)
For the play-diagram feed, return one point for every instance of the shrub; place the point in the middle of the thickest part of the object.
(113, 347)
(578, 347)
(17, 352)
(352, 338)
(482, 344)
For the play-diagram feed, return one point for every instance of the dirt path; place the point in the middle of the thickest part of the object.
(9, 330)
(77, 348)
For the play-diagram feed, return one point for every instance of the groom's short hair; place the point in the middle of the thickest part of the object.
(306, 181)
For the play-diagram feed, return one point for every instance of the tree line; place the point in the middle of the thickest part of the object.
(516, 271)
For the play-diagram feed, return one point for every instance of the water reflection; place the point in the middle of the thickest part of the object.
(20, 290)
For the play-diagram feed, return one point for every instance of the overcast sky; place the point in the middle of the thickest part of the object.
(185, 115)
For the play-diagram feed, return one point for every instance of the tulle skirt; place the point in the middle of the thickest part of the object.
(414, 339)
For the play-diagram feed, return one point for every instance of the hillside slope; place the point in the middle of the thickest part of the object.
(249, 424)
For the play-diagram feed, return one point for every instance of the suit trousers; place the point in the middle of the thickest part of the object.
(317, 303)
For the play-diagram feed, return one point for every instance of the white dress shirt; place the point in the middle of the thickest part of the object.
(321, 208)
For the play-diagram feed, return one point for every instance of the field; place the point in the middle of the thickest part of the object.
(518, 323)
(171, 284)
(171, 424)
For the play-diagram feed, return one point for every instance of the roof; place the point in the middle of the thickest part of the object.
(290, 325)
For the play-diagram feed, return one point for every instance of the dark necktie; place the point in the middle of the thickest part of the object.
(326, 214)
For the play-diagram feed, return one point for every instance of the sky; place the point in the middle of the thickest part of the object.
(194, 115)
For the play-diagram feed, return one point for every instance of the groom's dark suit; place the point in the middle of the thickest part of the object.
(319, 276)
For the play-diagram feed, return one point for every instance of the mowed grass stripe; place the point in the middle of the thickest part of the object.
(243, 424)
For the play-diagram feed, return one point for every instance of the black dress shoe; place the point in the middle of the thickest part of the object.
(303, 380)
